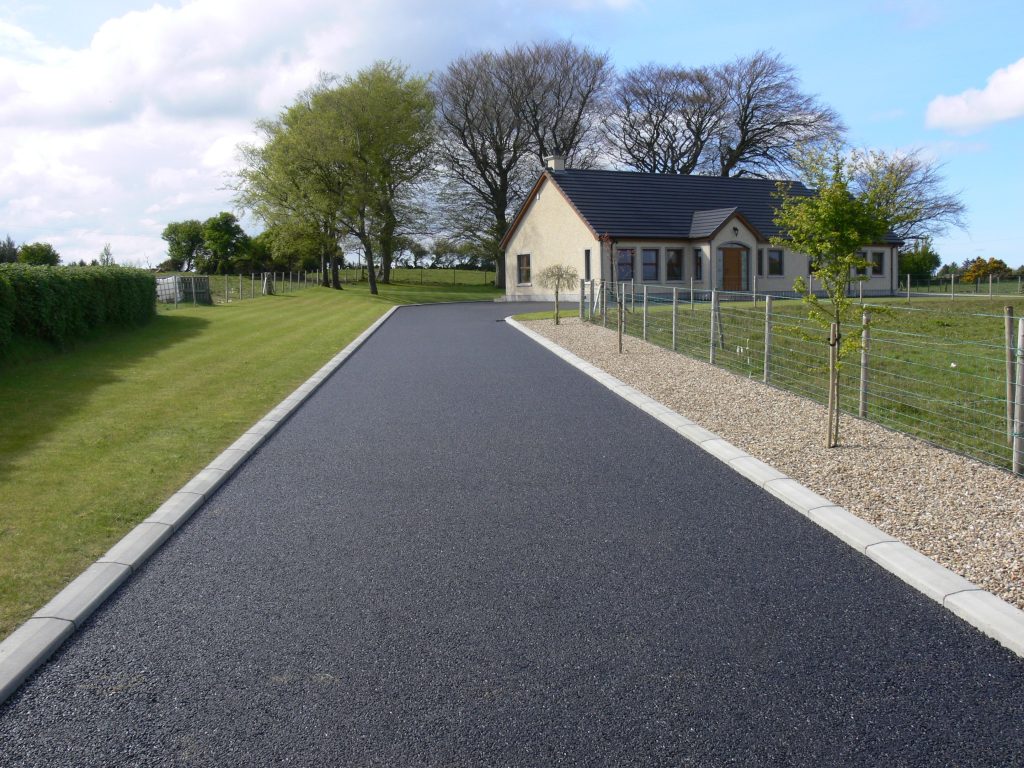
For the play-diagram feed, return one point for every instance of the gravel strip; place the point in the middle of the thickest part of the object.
(963, 514)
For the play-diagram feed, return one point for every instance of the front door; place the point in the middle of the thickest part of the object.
(732, 269)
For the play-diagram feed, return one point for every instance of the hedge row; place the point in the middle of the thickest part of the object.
(62, 304)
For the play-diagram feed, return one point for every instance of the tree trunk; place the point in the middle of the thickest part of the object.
(335, 280)
(369, 271)
(325, 279)
(499, 274)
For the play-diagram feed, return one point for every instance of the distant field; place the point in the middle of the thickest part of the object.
(96, 438)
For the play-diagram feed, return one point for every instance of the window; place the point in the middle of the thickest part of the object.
(862, 270)
(760, 262)
(673, 264)
(523, 268)
(775, 263)
(624, 267)
(877, 263)
(586, 264)
(650, 264)
(698, 264)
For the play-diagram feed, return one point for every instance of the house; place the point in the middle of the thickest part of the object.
(663, 231)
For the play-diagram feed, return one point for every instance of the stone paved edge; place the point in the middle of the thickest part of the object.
(991, 615)
(31, 644)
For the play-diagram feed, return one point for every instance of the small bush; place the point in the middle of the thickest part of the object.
(62, 304)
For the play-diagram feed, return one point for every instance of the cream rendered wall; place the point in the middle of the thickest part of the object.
(552, 233)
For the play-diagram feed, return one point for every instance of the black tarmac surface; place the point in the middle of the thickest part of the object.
(463, 552)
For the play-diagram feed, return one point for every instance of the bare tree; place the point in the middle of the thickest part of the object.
(661, 119)
(914, 194)
(560, 90)
(769, 122)
(485, 149)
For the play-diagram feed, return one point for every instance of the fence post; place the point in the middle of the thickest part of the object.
(1010, 372)
(755, 291)
(632, 295)
(675, 317)
(604, 303)
(767, 339)
(583, 295)
(990, 286)
(645, 314)
(714, 317)
(908, 286)
(193, 283)
(832, 389)
(691, 294)
(621, 320)
(1018, 432)
(865, 345)
(952, 285)
(860, 290)
(592, 304)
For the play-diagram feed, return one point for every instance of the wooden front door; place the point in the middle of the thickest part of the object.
(732, 269)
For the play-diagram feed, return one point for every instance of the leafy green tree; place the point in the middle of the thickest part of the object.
(921, 260)
(8, 251)
(184, 243)
(38, 253)
(224, 240)
(831, 227)
(346, 161)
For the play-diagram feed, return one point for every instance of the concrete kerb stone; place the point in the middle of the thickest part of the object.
(918, 570)
(77, 601)
(858, 533)
(31, 644)
(993, 616)
(177, 509)
(27, 647)
(142, 541)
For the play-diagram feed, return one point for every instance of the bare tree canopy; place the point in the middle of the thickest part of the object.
(560, 90)
(662, 119)
(768, 120)
(913, 188)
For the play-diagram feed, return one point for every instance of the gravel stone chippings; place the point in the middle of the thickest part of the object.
(964, 514)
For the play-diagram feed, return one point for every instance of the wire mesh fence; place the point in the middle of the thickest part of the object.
(225, 289)
(945, 376)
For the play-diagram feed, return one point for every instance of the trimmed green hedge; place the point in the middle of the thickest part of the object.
(62, 304)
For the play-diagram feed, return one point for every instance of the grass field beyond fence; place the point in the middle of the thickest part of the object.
(936, 368)
(96, 438)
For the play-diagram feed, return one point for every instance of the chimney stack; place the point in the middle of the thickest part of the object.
(555, 162)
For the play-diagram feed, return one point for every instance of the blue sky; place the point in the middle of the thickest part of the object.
(117, 116)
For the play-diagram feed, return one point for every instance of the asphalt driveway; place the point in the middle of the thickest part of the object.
(462, 551)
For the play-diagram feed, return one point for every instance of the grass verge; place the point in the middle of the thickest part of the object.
(96, 438)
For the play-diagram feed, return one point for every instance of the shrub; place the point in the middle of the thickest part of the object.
(62, 304)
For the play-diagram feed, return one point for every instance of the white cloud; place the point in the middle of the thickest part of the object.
(1001, 99)
(104, 141)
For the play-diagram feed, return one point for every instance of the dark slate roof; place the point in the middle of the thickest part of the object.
(705, 223)
(654, 205)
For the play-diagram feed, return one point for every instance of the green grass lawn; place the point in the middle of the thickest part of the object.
(936, 368)
(96, 438)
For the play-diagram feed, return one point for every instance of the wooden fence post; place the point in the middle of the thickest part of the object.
(1010, 372)
(908, 286)
(622, 314)
(675, 317)
(583, 296)
(767, 339)
(604, 303)
(865, 344)
(714, 328)
(645, 314)
(832, 389)
(1018, 432)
